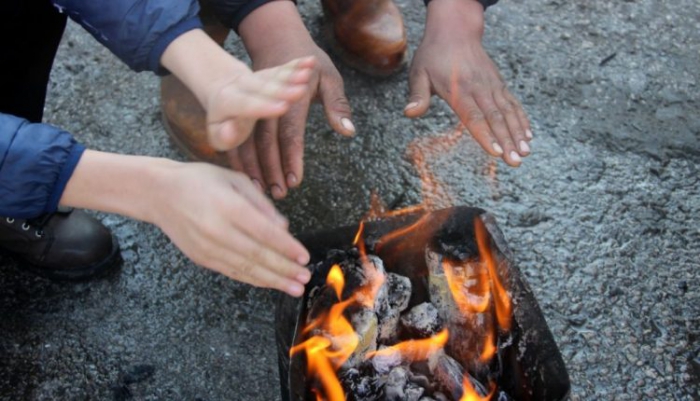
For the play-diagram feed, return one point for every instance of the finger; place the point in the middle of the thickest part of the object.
(248, 271)
(499, 129)
(474, 119)
(256, 225)
(419, 99)
(255, 195)
(520, 111)
(274, 90)
(291, 142)
(295, 73)
(234, 161)
(248, 155)
(268, 148)
(517, 133)
(336, 105)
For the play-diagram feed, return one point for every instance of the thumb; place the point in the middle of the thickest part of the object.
(336, 106)
(419, 99)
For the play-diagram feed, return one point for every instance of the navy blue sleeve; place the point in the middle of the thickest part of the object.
(232, 12)
(485, 3)
(136, 31)
(36, 162)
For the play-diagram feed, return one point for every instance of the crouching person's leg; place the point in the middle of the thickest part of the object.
(68, 244)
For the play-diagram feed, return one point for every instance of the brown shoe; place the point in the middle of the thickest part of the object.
(183, 117)
(368, 35)
(66, 245)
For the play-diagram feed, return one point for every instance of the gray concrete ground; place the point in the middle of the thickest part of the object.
(604, 218)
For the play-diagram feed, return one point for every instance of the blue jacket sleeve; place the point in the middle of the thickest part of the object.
(136, 31)
(36, 161)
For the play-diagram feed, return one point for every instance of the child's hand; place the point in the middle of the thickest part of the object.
(237, 102)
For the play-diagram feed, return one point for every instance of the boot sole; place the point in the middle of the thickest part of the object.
(100, 269)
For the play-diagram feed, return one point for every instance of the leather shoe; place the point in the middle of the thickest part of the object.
(184, 119)
(66, 245)
(368, 35)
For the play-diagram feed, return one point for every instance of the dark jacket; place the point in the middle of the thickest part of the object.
(37, 160)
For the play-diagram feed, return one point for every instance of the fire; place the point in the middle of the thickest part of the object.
(329, 350)
(470, 393)
(501, 297)
(414, 350)
(470, 289)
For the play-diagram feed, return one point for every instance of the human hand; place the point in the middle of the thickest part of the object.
(222, 222)
(238, 101)
(452, 63)
(273, 155)
(233, 96)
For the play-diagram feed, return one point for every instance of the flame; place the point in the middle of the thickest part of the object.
(470, 394)
(414, 350)
(461, 283)
(489, 349)
(501, 297)
(327, 351)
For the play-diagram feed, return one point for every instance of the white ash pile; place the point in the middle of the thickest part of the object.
(403, 351)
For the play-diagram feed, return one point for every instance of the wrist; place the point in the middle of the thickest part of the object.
(133, 186)
(271, 26)
(201, 64)
(461, 18)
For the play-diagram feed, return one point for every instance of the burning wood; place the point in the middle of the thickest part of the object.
(365, 341)
(427, 317)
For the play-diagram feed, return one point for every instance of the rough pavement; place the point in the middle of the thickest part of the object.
(604, 217)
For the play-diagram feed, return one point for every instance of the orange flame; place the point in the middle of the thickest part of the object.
(489, 349)
(470, 394)
(460, 282)
(328, 351)
(500, 295)
(414, 350)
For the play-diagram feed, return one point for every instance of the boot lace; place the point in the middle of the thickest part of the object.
(37, 223)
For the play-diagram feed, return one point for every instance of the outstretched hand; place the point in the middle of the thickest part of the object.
(222, 222)
(273, 156)
(240, 100)
(452, 63)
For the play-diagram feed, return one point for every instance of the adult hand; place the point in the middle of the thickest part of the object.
(222, 222)
(233, 96)
(273, 156)
(452, 63)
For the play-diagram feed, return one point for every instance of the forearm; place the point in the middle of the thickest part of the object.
(455, 17)
(128, 185)
(272, 24)
(201, 64)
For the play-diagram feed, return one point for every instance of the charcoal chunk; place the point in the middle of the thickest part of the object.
(384, 363)
(413, 392)
(364, 323)
(360, 385)
(396, 384)
(422, 321)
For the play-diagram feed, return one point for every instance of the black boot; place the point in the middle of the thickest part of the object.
(66, 245)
